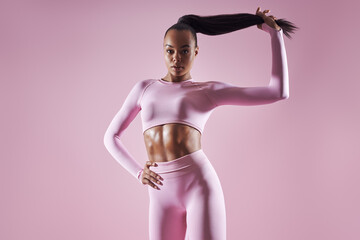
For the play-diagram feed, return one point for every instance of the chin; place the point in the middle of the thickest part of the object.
(178, 73)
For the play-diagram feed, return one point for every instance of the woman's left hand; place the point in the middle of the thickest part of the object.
(269, 20)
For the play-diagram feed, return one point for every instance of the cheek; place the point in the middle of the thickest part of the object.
(166, 58)
(190, 59)
(167, 62)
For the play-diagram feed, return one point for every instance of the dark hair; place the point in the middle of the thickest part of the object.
(224, 23)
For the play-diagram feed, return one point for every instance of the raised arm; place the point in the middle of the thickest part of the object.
(278, 88)
(120, 122)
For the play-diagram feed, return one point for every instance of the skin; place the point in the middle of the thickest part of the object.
(173, 140)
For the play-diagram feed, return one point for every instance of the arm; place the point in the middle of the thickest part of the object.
(120, 122)
(278, 88)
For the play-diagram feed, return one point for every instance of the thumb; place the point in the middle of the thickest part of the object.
(149, 164)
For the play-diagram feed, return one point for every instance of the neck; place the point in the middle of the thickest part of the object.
(171, 78)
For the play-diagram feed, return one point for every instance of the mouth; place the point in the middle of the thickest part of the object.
(177, 67)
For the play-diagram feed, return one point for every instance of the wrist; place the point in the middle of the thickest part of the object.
(139, 176)
(269, 29)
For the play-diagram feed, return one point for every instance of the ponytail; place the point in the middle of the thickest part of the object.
(225, 23)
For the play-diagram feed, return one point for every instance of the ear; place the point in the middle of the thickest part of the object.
(196, 50)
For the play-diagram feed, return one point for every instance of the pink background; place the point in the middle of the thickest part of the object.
(289, 170)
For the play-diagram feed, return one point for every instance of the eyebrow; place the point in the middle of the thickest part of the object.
(186, 45)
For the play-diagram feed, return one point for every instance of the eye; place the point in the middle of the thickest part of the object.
(169, 51)
(186, 51)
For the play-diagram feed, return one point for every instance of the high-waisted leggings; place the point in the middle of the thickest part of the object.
(190, 204)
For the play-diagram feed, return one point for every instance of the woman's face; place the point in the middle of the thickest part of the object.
(179, 52)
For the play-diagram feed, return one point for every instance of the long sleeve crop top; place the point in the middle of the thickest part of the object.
(190, 102)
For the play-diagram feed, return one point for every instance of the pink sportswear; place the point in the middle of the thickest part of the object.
(190, 102)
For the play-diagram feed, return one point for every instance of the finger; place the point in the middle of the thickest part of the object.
(258, 12)
(151, 184)
(156, 180)
(154, 175)
(150, 173)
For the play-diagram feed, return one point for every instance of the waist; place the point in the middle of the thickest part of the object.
(181, 165)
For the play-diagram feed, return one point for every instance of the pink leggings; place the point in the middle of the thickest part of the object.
(190, 204)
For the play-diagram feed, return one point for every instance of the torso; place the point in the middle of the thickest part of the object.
(170, 141)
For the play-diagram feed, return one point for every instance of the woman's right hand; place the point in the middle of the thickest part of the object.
(149, 177)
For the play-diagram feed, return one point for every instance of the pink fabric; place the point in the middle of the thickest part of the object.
(190, 102)
(139, 176)
(190, 204)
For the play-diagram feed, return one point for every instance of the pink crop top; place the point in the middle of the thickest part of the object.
(190, 102)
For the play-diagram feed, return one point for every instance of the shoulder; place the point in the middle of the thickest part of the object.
(140, 86)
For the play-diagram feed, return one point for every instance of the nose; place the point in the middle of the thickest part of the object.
(177, 58)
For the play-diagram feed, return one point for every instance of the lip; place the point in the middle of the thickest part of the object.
(177, 69)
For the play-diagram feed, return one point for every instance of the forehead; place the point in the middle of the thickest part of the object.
(178, 38)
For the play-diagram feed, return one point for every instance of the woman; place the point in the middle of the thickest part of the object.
(174, 109)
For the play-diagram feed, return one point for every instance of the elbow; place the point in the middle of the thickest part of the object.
(284, 96)
(279, 98)
(108, 138)
(284, 93)
(279, 95)
(279, 92)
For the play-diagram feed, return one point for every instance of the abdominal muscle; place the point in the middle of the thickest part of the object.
(170, 141)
